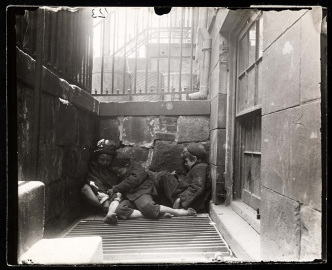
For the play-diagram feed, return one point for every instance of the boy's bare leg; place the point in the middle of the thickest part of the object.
(111, 217)
(136, 214)
(177, 212)
(90, 196)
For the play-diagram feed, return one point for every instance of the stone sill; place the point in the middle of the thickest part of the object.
(242, 239)
(247, 213)
(149, 108)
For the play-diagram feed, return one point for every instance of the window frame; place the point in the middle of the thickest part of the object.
(253, 18)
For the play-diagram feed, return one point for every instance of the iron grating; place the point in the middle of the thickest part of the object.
(174, 240)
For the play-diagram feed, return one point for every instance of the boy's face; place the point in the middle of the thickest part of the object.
(120, 171)
(189, 163)
(104, 160)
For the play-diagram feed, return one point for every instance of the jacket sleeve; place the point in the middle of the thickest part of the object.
(136, 177)
(93, 176)
(196, 187)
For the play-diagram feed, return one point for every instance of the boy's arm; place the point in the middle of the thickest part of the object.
(135, 178)
(197, 186)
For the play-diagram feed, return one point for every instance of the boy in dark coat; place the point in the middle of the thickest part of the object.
(195, 189)
(100, 179)
(138, 190)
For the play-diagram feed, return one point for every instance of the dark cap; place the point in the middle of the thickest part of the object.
(198, 150)
(106, 147)
(121, 160)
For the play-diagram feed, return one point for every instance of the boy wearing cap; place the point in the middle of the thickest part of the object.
(137, 187)
(194, 190)
(100, 179)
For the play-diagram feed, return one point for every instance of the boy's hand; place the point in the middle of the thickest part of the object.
(110, 192)
(177, 204)
(175, 175)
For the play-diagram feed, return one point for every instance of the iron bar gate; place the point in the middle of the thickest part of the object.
(67, 50)
(144, 56)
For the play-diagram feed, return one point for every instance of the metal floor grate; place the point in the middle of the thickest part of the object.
(174, 240)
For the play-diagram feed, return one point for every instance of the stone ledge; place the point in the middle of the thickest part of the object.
(53, 85)
(78, 250)
(242, 239)
(149, 108)
(247, 213)
(31, 215)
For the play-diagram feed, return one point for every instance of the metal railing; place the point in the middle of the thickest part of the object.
(67, 50)
(143, 54)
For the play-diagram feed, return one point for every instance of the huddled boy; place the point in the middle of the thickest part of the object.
(137, 187)
(192, 191)
(100, 180)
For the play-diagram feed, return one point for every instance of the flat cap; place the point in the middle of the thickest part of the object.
(197, 150)
(106, 147)
(121, 160)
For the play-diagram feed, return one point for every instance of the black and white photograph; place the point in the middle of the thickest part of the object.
(166, 135)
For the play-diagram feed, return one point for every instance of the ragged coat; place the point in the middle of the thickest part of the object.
(102, 177)
(195, 188)
(136, 182)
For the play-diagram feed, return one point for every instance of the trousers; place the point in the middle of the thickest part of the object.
(145, 204)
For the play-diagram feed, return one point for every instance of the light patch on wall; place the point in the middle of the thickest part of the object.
(288, 48)
(266, 140)
(313, 135)
(66, 102)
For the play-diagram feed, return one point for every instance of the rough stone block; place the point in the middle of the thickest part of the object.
(277, 22)
(281, 71)
(218, 183)
(69, 163)
(168, 124)
(109, 128)
(310, 55)
(218, 112)
(65, 131)
(167, 156)
(54, 198)
(280, 227)
(50, 161)
(193, 129)
(86, 122)
(165, 136)
(218, 147)
(291, 147)
(311, 234)
(78, 250)
(24, 134)
(167, 120)
(139, 131)
(82, 156)
(31, 214)
(138, 154)
(47, 120)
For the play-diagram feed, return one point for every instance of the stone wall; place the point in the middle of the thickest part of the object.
(218, 97)
(291, 139)
(291, 176)
(66, 136)
(156, 141)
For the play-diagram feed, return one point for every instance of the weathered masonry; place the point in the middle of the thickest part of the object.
(260, 83)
